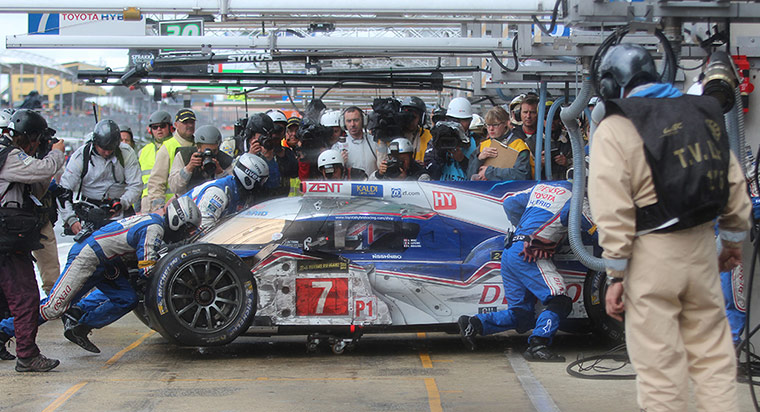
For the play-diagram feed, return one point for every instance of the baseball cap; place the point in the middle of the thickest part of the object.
(185, 114)
(294, 121)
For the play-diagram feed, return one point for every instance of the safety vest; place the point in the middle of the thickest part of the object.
(295, 186)
(686, 147)
(425, 138)
(516, 144)
(147, 160)
(171, 147)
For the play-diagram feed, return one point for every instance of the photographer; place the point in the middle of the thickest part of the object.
(281, 161)
(313, 138)
(195, 165)
(104, 179)
(331, 166)
(24, 179)
(414, 117)
(446, 159)
(399, 164)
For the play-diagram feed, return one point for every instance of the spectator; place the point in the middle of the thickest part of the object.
(159, 129)
(20, 175)
(399, 165)
(201, 163)
(497, 120)
(158, 188)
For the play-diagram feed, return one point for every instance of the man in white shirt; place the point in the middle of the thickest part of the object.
(360, 154)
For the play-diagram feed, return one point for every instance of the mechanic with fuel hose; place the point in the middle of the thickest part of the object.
(23, 180)
(540, 216)
(99, 262)
(661, 172)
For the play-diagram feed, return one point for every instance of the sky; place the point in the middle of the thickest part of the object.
(16, 23)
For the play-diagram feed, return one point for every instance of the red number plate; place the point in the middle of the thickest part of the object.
(322, 297)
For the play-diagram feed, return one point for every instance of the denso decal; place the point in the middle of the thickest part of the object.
(366, 190)
(444, 201)
(324, 187)
(495, 293)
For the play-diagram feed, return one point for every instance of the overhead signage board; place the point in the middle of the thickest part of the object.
(84, 24)
(190, 27)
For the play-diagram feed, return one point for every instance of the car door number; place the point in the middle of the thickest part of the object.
(322, 297)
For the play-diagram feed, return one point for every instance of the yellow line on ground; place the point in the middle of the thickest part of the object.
(434, 397)
(263, 378)
(421, 335)
(425, 358)
(122, 352)
(63, 398)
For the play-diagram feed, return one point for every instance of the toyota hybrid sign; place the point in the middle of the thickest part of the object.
(84, 24)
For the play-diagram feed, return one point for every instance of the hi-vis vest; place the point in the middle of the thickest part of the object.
(686, 147)
(171, 145)
(517, 144)
(147, 160)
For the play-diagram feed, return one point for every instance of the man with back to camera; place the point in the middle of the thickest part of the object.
(194, 165)
(360, 155)
(158, 189)
(103, 174)
(159, 128)
(655, 224)
(22, 180)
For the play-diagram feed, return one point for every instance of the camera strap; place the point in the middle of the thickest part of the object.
(87, 159)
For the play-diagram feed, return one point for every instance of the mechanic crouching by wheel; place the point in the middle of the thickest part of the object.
(655, 199)
(24, 179)
(540, 215)
(399, 164)
(197, 164)
(231, 194)
(104, 179)
(98, 262)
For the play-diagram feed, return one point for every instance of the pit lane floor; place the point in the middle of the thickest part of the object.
(138, 371)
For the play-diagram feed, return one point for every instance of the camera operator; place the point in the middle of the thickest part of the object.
(104, 179)
(414, 115)
(24, 179)
(331, 166)
(446, 159)
(280, 123)
(281, 161)
(201, 163)
(399, 165)
(313, 138)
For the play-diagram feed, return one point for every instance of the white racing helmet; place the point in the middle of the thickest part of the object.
(329, 157)
(331, 119)
(251, 170)
(400, 144)
(459, 108)
(181, 213)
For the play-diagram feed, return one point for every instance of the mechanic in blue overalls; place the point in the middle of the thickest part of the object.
(540, 215)
(214, 199)
(96, 262)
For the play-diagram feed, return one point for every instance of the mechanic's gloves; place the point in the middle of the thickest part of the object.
(535, 248)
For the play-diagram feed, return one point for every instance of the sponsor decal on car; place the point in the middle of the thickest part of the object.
(322, 297)
(323, 187)
(304, 266)
(366, 190)
(444, 200)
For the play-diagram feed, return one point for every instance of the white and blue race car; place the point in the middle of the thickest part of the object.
(348, 258)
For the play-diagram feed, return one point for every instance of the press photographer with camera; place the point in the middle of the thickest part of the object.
(194, 165)
(330, 164)
(446, 158)
(414, 117)
(399, 164)
(281, 161)
(103, 177)
(23, 180)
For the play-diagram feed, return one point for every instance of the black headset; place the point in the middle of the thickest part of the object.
(342, 119)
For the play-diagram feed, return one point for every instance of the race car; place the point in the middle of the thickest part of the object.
(349, 258)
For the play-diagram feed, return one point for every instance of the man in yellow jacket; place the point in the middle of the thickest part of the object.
(160, 128)
(158, 189)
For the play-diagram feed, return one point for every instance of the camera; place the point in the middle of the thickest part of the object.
(386, 120)
(267, 142)
(208, 162)
(393, 163)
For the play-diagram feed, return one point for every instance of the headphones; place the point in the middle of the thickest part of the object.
(342, 119)
(609, 87)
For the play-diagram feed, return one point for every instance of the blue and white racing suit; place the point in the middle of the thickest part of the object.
(91, 264)
(540, 212)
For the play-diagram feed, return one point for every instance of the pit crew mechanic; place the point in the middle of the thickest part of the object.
(540, 215)
(103, 172)
(194, 165)
(21, 177)
(655, 215)
(100, 262)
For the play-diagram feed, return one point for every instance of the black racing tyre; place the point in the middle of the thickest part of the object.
(142, 313)
(594, 291)
(201, 295)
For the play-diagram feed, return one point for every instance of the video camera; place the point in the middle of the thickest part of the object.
(313, 137)
(448, 136)
(386, 120)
